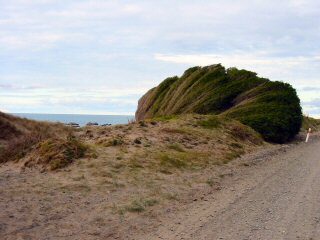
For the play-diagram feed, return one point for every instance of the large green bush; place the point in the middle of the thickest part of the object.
(271, 108)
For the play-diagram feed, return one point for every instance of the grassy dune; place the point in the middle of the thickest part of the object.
(140, 165)
(39, 144)
(162, 144)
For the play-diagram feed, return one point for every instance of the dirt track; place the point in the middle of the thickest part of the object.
(278, 198)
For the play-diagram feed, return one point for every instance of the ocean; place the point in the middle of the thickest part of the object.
(81, 119)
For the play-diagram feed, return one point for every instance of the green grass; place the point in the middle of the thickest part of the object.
(114, 142)
(211, 123)
(140, 205)
(172, 161)
(165, 118)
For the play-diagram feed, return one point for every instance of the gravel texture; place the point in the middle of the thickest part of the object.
(277, 196)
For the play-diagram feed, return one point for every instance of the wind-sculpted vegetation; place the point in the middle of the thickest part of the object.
(271, 108)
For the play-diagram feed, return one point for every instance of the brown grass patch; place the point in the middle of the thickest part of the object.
(53, 154)
(18, 136)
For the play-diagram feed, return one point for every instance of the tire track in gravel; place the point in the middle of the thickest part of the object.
(278, 198)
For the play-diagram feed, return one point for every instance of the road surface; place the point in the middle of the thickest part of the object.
(276, 199)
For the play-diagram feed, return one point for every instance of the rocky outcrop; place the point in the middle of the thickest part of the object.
(271, 108)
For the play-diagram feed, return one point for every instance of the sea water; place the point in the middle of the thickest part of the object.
(81, 119)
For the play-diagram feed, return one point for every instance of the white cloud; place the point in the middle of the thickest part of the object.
(36, 41)
(276, 68)
(4, 110)
(19, 87)
(21, 101)
(76, 100)
(104, 50)
(235, 59)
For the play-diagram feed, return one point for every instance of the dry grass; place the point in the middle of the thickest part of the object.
(53, 154)
(177, 147)
(309, 122)
(17, 148)
(8, 130)
(51, 146)
(140, 166)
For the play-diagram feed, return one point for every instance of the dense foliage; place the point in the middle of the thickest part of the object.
(271, 108)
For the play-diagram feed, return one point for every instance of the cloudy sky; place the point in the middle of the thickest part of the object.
(99, 57)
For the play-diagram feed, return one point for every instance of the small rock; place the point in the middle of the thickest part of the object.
(92, 124)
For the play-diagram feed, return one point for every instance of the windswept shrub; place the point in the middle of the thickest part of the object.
(271, 108)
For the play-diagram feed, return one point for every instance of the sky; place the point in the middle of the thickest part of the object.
(100, 57)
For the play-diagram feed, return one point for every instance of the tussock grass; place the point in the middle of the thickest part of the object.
(170, 161)
(173, 161)
(211, 123)
(53, 154)
(8, 130)
(49, 145)
(19, 147)
(137, 205)
(177, 147)
(18, 136)
(113, 142)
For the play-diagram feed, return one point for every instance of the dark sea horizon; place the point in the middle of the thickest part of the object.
(81, 119)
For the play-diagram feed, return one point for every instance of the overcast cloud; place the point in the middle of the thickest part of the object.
(100, 56)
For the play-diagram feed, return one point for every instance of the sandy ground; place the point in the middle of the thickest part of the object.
(278, 198)
(271, 194)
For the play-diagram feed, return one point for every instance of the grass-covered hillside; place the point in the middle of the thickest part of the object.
(271, 108)
(130, 175)
(309, 122)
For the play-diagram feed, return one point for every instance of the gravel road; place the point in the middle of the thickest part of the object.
(277, 198)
